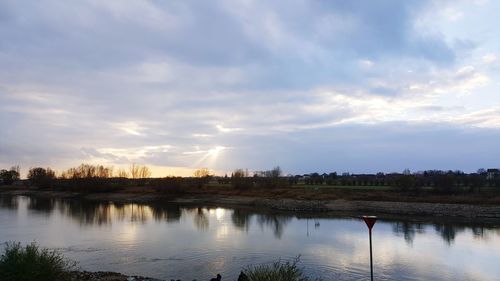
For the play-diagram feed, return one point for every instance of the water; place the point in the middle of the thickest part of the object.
(170, 241)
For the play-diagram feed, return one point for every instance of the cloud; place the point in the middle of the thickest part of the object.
(95, 81)
(489, 58)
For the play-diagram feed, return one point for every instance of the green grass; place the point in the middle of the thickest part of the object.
(277, 271)
(28, 263)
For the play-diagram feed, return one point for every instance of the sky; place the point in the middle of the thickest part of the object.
(309, 85)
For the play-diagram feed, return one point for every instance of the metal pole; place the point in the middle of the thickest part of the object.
(371, 256)
(370, 222)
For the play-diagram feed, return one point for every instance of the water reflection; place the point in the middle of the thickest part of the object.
(160, 238)
(169, 213)
(447, 231)
(93, 213)
(41, 204)
(241, 219)
(9, 202)
(275, 222)
(408, 230)
(201, 219)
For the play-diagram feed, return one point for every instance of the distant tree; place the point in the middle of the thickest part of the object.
(134, 171)
(103, 172)
(144, 172)
(276, 172)
(476, 181)
(10, 176)
(445, 183)
(271, 178)
(87, 171)
(139, 172)
(122, 173)
(41, 177)
(203, 172)
(241, 179)
(405, 182)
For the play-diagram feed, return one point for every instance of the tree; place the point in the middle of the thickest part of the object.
(202, 177)
(87, 171)
(201, 173)
(134, 171)
(144, 172)
(276, 172)
(10, 176)
(139, 172)
(271, 178)
(41, 177)
(240, 179)
(405, 182)
(121, 173)
(445, 183)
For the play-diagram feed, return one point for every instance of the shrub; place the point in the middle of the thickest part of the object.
(28, 263)
(277, 271)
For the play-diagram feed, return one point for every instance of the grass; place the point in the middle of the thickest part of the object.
(277, 271)
(28, 263)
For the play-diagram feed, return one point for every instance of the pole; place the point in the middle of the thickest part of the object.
(371, 256)
(370, 222)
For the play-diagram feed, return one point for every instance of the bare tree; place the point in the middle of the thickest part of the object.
(122, 173)
(134, 171)
(139, 172)
(201, 173)
(144, 172)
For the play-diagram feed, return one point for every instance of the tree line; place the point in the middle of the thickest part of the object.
(99, 177)
(436, 180)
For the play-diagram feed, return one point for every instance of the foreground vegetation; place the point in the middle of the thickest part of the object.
(28, 263)
(277, 271)
(18, 263)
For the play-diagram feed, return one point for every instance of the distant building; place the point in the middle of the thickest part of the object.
(492, 174)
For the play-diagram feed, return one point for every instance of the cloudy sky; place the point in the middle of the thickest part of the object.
(310, 85)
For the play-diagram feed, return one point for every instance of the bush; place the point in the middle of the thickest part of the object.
(28, 263)
(277, 271)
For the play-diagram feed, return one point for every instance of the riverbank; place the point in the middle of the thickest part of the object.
(324, 207)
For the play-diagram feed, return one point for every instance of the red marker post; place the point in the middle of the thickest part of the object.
(370, 222)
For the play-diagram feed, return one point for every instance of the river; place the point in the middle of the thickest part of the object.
(169, 241)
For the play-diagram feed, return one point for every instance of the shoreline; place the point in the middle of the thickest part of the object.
(323, 208)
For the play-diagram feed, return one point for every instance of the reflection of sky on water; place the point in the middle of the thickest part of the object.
(167, 241)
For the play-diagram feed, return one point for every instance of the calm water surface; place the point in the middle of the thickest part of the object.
(169, 241)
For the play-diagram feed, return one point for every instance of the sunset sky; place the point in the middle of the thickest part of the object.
(312, 85)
